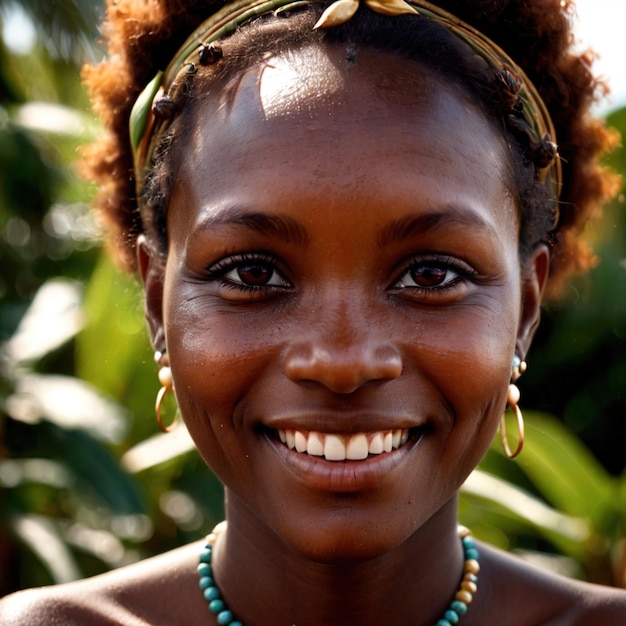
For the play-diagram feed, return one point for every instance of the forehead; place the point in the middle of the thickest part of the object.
(319, 78)
(339, 118)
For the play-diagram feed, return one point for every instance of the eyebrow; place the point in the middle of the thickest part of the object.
(412, 225)
(282, 226)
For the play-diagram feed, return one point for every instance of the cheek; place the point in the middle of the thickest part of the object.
(471, 366)
(215, 360)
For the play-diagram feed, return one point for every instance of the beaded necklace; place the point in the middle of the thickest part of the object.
(456, 609)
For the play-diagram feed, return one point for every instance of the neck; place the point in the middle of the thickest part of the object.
(266, 582)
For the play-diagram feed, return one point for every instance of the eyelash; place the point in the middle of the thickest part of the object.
(219, 272)
(462, 271)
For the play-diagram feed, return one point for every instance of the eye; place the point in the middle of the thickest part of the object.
(427, 276)
(255, 274)
(247, 272)
(434, 274)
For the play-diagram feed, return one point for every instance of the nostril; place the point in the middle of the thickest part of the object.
(386, 362)
(302, 361)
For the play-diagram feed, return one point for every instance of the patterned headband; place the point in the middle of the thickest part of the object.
(146, 125)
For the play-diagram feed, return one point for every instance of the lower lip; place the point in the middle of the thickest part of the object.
(343, 476)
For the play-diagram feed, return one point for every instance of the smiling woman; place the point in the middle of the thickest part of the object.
(342, 370)
(345, 219)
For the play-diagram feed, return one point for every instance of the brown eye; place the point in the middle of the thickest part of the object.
(428, 275)
(434, 275)
(249, 272)
(255, 274)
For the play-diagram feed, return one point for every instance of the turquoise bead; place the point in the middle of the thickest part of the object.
(212, 593)
(451, 616)
(224, 618)
(205, 569)
(471, 554)
(205, 582)
(217, 606)
(205, 556)
(443, 622)
(459, 607)
(236, 623)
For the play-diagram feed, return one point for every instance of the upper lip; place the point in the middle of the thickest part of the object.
(347, 423)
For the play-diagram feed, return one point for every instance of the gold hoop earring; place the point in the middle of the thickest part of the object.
(167, 385)
(517, 369)
(512, 401)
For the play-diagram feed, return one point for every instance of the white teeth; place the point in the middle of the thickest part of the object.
(376, 444)
(334, 447)
(357, 448)
(395, 438)
(315, 445)
(300, 441)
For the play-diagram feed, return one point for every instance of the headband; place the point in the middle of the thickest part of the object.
(146, 127)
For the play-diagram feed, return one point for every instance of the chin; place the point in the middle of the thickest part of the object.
(344, 536)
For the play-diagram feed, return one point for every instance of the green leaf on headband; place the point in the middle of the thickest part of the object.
(141, 110)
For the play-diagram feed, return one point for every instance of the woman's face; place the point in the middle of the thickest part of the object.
(342, 276)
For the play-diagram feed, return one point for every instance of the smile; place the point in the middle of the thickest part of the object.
(336, 447)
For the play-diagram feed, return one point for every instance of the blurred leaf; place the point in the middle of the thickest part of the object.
(113, 352)
(27, 178)
(115, 325)
(160, 448)
(69, 403)
(59, 119)
(43, 538)
(14, 472)
(99, 473)
(67, 27)
(563, 470)
(565, 532)
(102, 544)
(54, 317)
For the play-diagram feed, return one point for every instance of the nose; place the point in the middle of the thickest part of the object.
(342, 368)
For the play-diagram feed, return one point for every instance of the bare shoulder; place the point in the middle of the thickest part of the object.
(601, 605)
(156, 591)
(527, 595)
(47, 605)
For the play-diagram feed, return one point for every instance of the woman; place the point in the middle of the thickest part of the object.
(345, 218)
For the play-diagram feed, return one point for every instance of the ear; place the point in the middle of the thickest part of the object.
(534, 280)
(152, 270)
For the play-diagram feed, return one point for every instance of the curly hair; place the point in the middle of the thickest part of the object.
(143, 36)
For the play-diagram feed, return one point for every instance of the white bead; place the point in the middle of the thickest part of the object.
(514, 394)
(165, 376)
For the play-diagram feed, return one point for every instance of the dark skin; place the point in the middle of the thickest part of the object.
(339, 338)
(350, 266)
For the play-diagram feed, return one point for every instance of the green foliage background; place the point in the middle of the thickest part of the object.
(87, 484)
